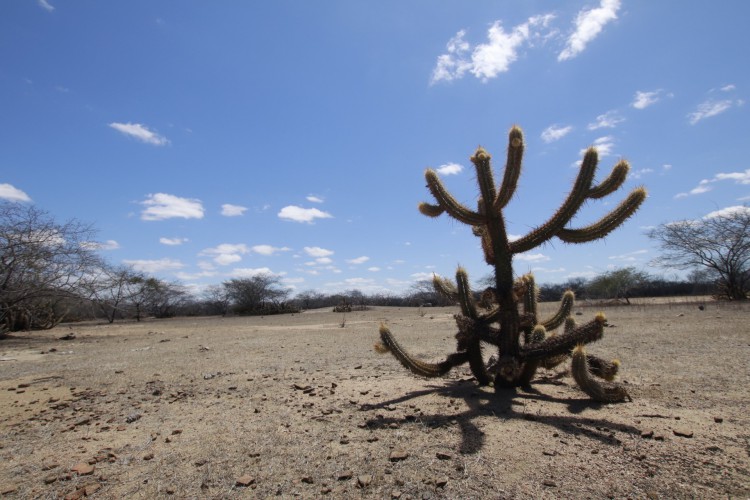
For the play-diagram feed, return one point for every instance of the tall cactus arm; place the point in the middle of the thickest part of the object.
(567, 210)
(430, 210)
(449, 203)
(512, 168)
(605, 392)
(445, 287)
(465, 296)
(485, 179)
(388, 344)
(566, 306)
(608, 223)
(603, 368)
(563, 344)
(612, 183)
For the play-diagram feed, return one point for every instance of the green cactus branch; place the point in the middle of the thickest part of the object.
(507, 316)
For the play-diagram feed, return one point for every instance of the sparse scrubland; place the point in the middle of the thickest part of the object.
(296, 405)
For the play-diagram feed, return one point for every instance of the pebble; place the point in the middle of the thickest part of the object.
(683, 432)
(364, 480)
(243, 481)
(398, 455)
(83, 469)
(443, 456)
(343, 476)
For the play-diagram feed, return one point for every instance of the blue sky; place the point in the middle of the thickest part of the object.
(207, 141)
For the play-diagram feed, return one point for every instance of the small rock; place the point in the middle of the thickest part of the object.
(364, 480)
(91, 488)
(176, 431)
(441, 481)
(132, 417)
(50, 479)
(683, 432)
(170, 490)
(148, 456)
(244, 481)
(68, 336)
(443, 456)
(398, 455)
(83, 469)
(343, 476)
(308, 480)
(396, 494)
(718, 420)
(549, 483)
(647, 434)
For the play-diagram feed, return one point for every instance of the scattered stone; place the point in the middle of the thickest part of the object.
(682, 432)
(364, 480)
(443, 456)
(718, 420)
(308, 480)
(343, 476)
(68, 336)
(396, 494)
(50, 479)
(83, 469)
(550, 453)
(148, 456)
(398, 455)
(91, 488)
(441, 481)
(133, 417)
(358, 367)
(647, 434)
(176, 431)
(170, 490)
(549, 483)
(244, 481)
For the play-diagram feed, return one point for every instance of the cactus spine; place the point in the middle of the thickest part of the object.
(507, 315)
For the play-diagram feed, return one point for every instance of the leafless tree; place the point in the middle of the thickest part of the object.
(42, 265)
(719, 242)
(115, 290)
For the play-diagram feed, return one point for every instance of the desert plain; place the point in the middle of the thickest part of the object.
(301, 406)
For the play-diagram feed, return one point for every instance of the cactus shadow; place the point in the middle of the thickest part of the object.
(505, 405)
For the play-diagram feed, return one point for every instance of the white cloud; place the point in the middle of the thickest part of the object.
(637, 174)
(705, 185)
(141, 133)
(710, 108)
(318, 252)
(728, 88)
(737, 177)
(248, 272)
(46, 5)
(226, 253)
(11, 193)
(555, 133)
(373, 269)
(172, 241)
(666, 166)
(314, 199)
(449, 169)
(323, 260)
(155, 266)
(101, 245)
(728, 211)
(603, 145)
(358, 260)
(229, 210)
(162, 206)
(194, 276)
(643, 100)
(588, 25)
(205, 265)
(534, 257)
(268, 249)
(299, 214)
(488, 59)
(610, 119)
(628, 257)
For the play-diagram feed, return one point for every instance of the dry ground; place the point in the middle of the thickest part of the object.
(301, 406)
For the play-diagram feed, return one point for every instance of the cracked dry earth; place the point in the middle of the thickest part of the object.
(299, 406)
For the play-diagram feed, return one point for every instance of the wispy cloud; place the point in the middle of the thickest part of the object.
(314, 199)
(101, 245)
(172, 241)
(555, 133)
(299, 214)
(449, 169)
(603, 145)
(709, 108)
(706, 185)
(643, 99)
(728, 211)
(588, 25)
(728, 88)
(226, 253)
(45, 5)
(610, 119)
(12, 193)
(487, 60)
(637, 174)
(268, 249)
(228, 210)
(318, 252)
(359, 260)
(162, 206)
(155, 266)
(628, 257)
(141, 133)
(249, 272)
(532, 257)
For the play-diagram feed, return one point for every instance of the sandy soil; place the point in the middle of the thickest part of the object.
(301, 406)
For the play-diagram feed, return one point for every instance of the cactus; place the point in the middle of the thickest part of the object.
(506, 316)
